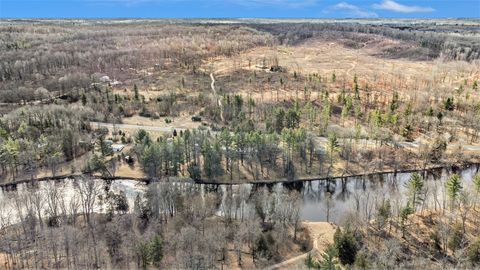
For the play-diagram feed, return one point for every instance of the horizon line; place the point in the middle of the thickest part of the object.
(230, 18)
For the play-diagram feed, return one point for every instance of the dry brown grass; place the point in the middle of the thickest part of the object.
(325, 57)
(3, 260)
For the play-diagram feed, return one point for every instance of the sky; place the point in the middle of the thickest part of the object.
(239, 9)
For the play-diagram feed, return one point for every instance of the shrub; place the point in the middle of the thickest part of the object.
(362, 260)
(346, 246)
(474, 252)
(456, 238)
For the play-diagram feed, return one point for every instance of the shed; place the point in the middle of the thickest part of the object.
(117, 147)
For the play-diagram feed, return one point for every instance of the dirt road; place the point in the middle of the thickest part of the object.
(219, 100)
(322, 235)
(135, 127)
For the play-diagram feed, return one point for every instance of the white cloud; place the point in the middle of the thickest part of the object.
(352, 10)
(394, 6)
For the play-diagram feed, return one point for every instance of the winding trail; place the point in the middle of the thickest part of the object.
(353, 65)
(321, 234)
(135, 127)
(219, 100)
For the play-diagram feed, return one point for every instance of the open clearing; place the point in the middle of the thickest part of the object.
(323, 57)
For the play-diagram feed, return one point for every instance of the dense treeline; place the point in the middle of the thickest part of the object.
(224, 155)
(368, 124)
(446, 43)
(61, 58)
(169, 226)
(362, 127)
(43, 137)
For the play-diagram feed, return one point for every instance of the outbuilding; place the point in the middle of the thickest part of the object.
(117, 147)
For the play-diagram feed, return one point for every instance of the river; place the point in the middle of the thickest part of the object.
(349, 194)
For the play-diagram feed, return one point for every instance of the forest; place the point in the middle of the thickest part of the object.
(220, 130)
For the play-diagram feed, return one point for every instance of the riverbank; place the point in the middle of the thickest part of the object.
(147, 180)
(336, 177)
(144, 180)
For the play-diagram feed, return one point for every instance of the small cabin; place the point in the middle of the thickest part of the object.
(117, 147)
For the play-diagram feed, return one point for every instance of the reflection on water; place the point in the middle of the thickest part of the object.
(349, 194)
(363, 194)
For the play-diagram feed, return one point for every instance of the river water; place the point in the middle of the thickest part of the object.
(339, 196)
